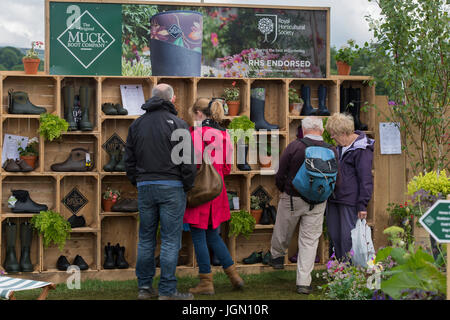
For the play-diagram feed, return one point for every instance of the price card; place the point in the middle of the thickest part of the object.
(132, 98)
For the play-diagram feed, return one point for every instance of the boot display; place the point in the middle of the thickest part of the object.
(243, 166)
(76, 162)
(120, 109)
(85, 99)
(109, 109)
(355, 109)
(114, 159)
(11, 165)
(19, 103)
(26, 234)
(125, 205)
(344, 99)
(10, 264)
(120, 166)
(255, 257)
(69, 96)
(109, 257)
(307, 110)
(25, 204)
(322, 93)
(77, 221)
(257, 106)
(23, 166)
(79, 261)
(62, 263)
(265, 216)
(120, 262)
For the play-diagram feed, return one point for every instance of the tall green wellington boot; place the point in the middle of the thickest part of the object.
(19, 103)
(69, 96)
(85, 99)
(11, 264)
(26, 234)
(113, 160)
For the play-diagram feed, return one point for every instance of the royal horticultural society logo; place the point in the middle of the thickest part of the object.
(86, 39)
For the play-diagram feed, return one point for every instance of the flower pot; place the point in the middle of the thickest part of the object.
(107, 204)
(256, 214)
(267, 161)
(233, 107)
(343, 68)
(296, 108)
(31, 66)
(30, 160)
(176, 43)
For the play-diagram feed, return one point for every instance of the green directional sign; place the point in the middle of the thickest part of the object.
(437, 221)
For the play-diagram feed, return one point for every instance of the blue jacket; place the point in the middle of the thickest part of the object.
(355, 170)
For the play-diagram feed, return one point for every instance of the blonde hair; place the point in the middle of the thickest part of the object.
(340, 124)
(213, 111)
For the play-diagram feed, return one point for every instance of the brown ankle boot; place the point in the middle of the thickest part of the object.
(205, 286)
(234, 277)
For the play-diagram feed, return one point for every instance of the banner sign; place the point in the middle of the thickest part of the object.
(175, 40)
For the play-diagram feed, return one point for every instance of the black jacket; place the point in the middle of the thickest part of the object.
(149, 146)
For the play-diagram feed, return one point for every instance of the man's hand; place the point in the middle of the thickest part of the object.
(362, 215)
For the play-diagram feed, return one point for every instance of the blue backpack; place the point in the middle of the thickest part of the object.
(316, 178)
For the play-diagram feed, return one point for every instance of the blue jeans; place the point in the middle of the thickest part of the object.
(203, 239)
(164, 204)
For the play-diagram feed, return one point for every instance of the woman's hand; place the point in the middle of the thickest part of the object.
(362, 215)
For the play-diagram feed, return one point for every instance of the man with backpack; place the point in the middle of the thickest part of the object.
(307, 160)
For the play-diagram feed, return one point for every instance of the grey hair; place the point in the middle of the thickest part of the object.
(163, 91)
(312, 123)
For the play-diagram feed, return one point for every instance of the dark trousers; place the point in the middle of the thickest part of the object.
(341, 219)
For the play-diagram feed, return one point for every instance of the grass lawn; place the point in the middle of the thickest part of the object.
(272, 285)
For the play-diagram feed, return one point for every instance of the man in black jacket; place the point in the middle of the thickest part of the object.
(162, 186)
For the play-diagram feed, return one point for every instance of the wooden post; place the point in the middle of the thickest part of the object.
(448, 264)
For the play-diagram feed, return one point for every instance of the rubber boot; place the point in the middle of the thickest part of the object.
(205, 285)
(257, 106)
(11, 264)
(85, 99)
(120, 262)
(25, 204)
(233, 275)
(307, 109)
(120, 166)
(356, 108)
(19, 103)
(244, 166)
(344, 99)
(109, 257)
(322, 93)
(113, 160)
(120, 109)
(69, 96)
(26, 235)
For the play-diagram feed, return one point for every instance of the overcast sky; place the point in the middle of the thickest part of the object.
(22, 21)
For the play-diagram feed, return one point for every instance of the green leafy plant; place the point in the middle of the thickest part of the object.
(54, 228)
(348, 53)
(231, 94)
(32, 148)
(254, 203)
(241, 128)
(293, 96)
(32, 54)
(51, 126)
(326, 135)
(241, 222)
(403, 216)
(111, 194)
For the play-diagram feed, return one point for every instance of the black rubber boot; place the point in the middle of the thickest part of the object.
(10, 264)
(322, 93)
(355, 96)
(120, 110)
(108, 109)
(26, 235)
(120, 166)
(121, 263)
(85, 99)
(244, 166)
(344, 100)
(109, 257)
(307, 109)
(69, 96)
(19, 103)
(113, 160)
(25, 204)
(257, 106)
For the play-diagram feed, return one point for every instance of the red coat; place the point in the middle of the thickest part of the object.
(216, 140)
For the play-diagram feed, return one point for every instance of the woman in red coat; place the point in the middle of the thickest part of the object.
(205, 219)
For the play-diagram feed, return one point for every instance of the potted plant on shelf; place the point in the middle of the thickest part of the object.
(255, 208)
(31, 59)
(265, 160)
(241, 131)
(53, 227)
(231, 96)
(295, 102)
(51, 126)
(30, 153)
(109, 198)
(241, 223)
(345, 57)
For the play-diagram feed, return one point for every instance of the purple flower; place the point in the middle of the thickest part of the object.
(392, 103)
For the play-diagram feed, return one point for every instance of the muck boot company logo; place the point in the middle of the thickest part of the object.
(86, 39)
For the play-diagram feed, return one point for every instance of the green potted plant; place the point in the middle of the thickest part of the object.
(51, 126)
(109, 198)
(295, 102)
(231, 96)
(255, 208)
(31, 152)
(31, 59)
(241, 223)
(241, 131)
(53, 227)
(345, 57)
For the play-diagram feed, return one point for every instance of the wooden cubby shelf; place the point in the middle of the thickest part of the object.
(49, 187)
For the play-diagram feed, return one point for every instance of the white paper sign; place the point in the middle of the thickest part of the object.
(11, 144)
(390, 142)
(132, 98)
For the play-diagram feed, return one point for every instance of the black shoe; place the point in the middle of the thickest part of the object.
(266, 258)
(147, 293)
(79, 261)
(25, 204)
(62, 264)
(304, 289)
(109, 257)
(277, 263)
(255, 257)
(120, 262)
(77, 221)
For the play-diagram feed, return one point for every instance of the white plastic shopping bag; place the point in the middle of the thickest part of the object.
(362, 244)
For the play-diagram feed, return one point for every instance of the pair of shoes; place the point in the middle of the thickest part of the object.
(19, 103)
(277, 263)
(114, 109)
(125, 205)
(79, 160)
(255, 257)
(304, 289)
(177, 296)
(26, 233)
(18, 165)
(20, 202)
(62, 264)
(147, 293)
(116, 160)
(85, 97)
(115, 257)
